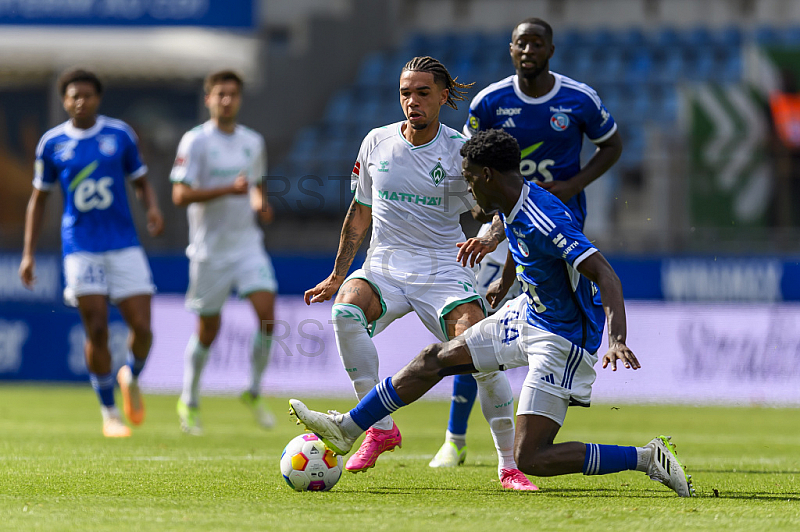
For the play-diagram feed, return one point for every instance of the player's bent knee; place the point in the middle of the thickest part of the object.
(97, 333)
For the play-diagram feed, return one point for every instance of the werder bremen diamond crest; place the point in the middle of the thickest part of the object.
(437, 174)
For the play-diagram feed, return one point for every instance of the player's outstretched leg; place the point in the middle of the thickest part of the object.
(327, 426)
(453, 451)
(665, 467)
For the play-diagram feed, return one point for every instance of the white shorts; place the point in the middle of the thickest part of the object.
(211, 282)
(431, 295)
(555, 365)
(118, 274)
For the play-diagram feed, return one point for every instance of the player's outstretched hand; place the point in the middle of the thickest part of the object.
(560, 189)
(240, 185)
(324, 290)
(26, 271)
(620, 351)
(496, 293)
(155, 221)
(474, 249)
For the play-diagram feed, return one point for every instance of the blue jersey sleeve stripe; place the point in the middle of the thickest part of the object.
(584, 88)
(539, 215)
(583, 256)
(607, 135)
(122, 126)
(40, 184)
(139, 172)
(532, 221)
(506, 82)
(58, 130)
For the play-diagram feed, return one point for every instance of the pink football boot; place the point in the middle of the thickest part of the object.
(376, 442)
(514, 479)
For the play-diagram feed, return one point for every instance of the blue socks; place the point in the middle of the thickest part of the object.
(604, 459)
(381, 401)
(104, 387)
(465, 389)
(136, 364)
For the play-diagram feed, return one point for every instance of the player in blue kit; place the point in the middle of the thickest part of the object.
(549, 114)
(554, 328)
(92, 156)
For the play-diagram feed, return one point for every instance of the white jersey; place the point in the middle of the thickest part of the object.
(223, 228)
(491, 268)
(416, 193)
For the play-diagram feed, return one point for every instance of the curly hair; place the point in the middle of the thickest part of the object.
(76, 75)
(440, 76)
(493, 148)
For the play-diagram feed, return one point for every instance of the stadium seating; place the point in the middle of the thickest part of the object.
(636, 73)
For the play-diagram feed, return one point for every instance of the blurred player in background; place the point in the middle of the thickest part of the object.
(218, 173)
(404, 186)
(554, 329)
(548, 114)
(92, 156)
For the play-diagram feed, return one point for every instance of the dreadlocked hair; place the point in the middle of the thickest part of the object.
(493, 148)
(440, 76)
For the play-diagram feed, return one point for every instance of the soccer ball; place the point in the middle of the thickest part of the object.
(308, 465)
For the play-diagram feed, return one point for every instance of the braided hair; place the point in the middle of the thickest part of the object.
(440, 76)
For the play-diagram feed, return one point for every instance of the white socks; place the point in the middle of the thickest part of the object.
(497, 404)
(357, 351)
(258, 360)
(194, 361)
(459, 440)
(643, 455)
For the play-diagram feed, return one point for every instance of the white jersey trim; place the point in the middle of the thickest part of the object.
(524, 194)
(582, 257)
(584, 88)
(497, 85)
(607, 135)
(136, 174)
(58, 130)
(538, 215)
(542, 99)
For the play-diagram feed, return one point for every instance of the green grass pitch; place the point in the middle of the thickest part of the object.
(59, 473)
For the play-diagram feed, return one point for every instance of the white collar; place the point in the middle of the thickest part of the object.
(524, 194)
(76, 133)
(527, 99)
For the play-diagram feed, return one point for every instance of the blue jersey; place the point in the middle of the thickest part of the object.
(91, 165)
(547, 247)
(549, 129)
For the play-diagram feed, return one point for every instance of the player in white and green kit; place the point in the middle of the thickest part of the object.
(218, 173)
(407, 185)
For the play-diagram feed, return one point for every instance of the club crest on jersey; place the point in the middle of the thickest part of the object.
(437, 174)
(523, 248)
(107, 144)
(559, 121)
(473, 123)
(65, 150)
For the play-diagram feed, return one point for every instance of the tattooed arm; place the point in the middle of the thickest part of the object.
(476, 248)
(354, 229)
